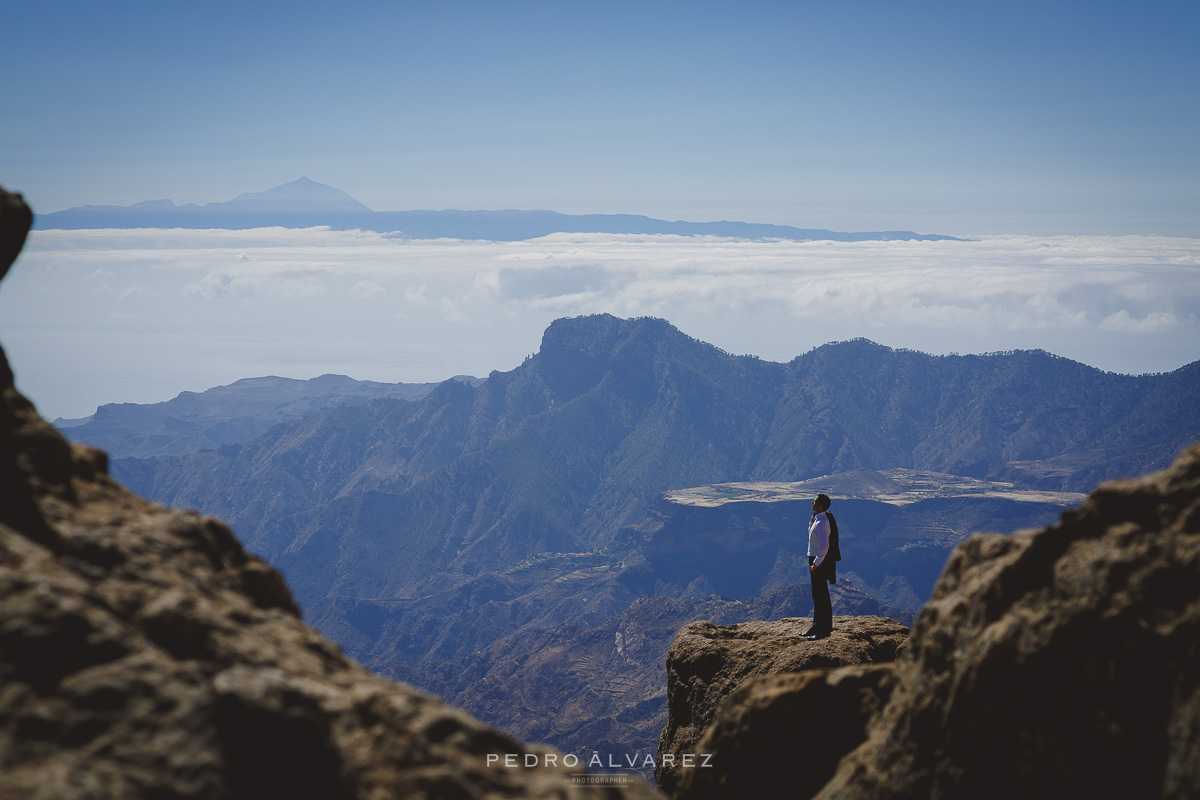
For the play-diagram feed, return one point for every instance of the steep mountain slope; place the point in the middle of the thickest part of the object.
(857, 405)
(554, 456)
(563, 452)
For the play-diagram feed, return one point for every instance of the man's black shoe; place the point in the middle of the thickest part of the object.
(809, 632)
(815, 636)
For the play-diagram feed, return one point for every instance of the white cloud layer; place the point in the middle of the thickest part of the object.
(90, 317)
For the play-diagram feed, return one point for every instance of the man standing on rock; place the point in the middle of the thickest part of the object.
(820, 563)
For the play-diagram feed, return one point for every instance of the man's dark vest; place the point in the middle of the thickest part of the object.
(835, 551)
(834, 554)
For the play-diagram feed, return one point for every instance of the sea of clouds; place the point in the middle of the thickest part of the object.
(93, 317)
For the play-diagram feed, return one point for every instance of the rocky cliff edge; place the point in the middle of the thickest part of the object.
(1056, 663)
(144, 653)
(707, 663)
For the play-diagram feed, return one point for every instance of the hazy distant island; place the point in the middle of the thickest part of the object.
(304, 203)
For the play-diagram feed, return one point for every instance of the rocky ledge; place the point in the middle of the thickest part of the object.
(707, 663)
(144, 653)
(1056, 663)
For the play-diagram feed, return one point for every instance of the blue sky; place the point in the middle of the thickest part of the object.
(1036, 118)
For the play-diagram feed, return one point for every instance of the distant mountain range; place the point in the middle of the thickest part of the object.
(238, 412)
(509, 530)
(304, 203)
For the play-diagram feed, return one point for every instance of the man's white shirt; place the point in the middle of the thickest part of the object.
(818, 538)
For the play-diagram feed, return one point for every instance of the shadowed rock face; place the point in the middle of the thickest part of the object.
(750, 757)
(144, 653)
(707, 663)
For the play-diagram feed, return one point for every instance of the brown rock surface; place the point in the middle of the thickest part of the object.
(707, 662)
(762, 742)
(144, 653)
(1054, 663)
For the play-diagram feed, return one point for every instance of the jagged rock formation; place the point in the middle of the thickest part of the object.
(144, 653)
(707, 663)
(1061, 662)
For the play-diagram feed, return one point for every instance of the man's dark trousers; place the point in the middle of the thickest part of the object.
(822, 607)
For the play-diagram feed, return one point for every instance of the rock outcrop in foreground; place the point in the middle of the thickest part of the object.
(1055, 663)
(144, 653)
(707, 663)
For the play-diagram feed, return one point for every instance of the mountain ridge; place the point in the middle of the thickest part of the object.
(304, 203)
(578, 355)
(228, 414)
(568, 452)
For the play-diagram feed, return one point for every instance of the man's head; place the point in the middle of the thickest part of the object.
(821, 503)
